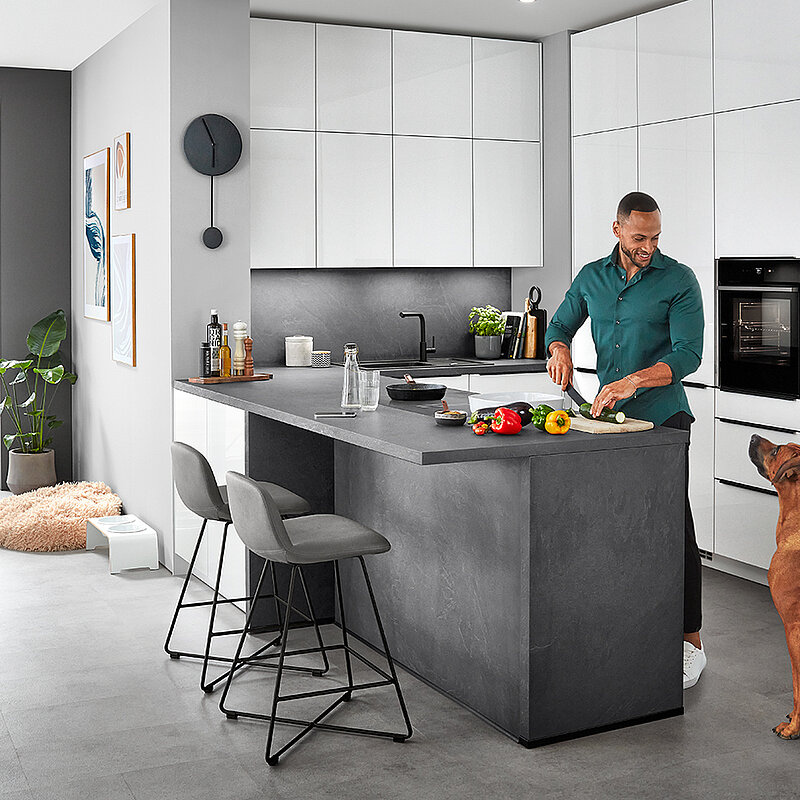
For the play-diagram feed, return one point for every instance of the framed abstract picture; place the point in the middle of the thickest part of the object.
(122, 172)
(123, 298)
(95, 238)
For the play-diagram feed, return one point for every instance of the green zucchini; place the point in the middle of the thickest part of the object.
(606, 415)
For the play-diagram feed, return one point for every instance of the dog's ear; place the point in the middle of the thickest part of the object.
(789, 469)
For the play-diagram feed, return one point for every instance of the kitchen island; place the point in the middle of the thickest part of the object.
(536, 579)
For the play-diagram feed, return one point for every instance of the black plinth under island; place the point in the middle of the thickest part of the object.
(536, 579)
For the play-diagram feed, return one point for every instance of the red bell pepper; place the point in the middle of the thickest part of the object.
(506, 420)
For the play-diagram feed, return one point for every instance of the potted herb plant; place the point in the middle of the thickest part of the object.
(488, 325)
(27, 391)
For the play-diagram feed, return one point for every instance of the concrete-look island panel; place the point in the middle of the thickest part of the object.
(536, 579)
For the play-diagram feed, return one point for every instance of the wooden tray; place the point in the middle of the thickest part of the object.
(264, 376)
(598, 426)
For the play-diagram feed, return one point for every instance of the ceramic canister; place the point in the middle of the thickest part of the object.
(298, 351)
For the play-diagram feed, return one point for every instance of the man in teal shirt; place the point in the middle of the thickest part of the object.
(646, 314)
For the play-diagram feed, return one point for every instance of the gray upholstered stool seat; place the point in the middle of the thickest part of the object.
(199, 492)
(328, 537)
(314, 539)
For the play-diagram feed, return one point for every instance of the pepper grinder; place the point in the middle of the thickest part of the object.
(248, 359)
(239, 335)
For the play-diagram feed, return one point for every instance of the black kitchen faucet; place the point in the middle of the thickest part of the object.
(423, 339)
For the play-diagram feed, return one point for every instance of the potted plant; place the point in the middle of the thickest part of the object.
(488, 325)
(27, 391)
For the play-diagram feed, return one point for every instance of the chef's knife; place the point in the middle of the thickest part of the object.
(575, 395)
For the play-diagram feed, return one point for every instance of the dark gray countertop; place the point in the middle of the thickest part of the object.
(394, 429)
(499, 367)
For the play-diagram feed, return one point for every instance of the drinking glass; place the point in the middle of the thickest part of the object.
(369, 384)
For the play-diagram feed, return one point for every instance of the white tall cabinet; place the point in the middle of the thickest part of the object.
(379, 148)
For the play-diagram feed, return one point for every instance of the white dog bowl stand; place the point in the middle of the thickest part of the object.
(125, 550)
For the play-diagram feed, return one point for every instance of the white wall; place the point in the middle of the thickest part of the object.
(121, 418)
(183, 58)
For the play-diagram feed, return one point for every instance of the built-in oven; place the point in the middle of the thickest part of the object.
(758, 313)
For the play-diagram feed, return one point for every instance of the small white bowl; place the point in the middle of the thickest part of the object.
(478, 401)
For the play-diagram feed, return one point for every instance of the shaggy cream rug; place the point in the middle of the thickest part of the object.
(54, 517)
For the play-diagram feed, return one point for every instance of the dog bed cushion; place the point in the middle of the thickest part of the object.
(54, 517)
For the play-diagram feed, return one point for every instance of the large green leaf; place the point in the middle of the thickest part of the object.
(3, 404)
(22, 376)
(11, 364)
(28, 401)
(47, 334)
(9, 438)
(53, 375)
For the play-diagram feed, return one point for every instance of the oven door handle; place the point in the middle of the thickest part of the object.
(759, 289)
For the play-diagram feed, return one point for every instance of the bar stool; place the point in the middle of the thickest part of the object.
(198, 490)
(313, 539)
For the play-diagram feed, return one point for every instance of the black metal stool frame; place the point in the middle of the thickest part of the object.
(257, 657)
(389, 679)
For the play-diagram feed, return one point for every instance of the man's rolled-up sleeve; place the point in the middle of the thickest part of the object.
(686, 330)
(569, 316)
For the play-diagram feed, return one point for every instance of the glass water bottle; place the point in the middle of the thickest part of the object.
(350, 396)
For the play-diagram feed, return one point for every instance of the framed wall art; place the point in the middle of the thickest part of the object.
(122, 172)
(123, 298)
(95, 240)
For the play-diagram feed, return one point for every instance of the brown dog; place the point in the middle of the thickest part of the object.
(780, 465)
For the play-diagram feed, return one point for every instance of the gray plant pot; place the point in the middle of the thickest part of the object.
(488, 346)
(27, 471)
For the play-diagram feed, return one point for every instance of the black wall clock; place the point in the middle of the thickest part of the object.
(212, 145)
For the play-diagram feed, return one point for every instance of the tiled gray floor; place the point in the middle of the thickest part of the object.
(90, 707)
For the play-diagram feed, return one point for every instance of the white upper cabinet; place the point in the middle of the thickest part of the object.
(432, 201)
(701, 465)
(354, 200)
(508, 203)
(432, 77)
(756, 52)
(282, 199)
(604, 77)
(757, 177)
(505, 89)
(281, 74)
(354, 79)
(676, 167)
(675, 62)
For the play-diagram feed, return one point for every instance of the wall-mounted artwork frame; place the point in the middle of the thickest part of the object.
(122, 172)
(96, 283)
(123, 298)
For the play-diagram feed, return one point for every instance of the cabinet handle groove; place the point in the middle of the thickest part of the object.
(745, 486)
(755, 425)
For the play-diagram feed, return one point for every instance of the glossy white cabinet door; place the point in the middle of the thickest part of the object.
(675, 62)
(189, 427)
(354, 200)
(676, 167)
(744, 524)
(701, 465)
(513, 382)
(460, 382)
(506, 81)
(281, 74)
(432, 201)
(759, 410)
(604, 169)
(757, 179)
(587, 383)
(282, 196)
(508, 203)
(354, 79)
(756, 52)
(432, 76)
(604, 77)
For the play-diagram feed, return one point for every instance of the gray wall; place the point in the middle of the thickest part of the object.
(362, 305)
(555, 276)
(34, 222)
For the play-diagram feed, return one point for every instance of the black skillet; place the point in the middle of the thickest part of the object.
(411, 390)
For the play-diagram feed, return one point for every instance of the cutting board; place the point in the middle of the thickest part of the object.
(598, 426)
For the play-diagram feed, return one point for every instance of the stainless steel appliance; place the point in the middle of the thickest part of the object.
(758, 305)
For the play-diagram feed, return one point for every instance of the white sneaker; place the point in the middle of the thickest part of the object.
(694, 660)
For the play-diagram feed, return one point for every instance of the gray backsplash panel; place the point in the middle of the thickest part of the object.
(362, 305)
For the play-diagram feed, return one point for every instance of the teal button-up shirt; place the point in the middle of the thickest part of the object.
(657, 316)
